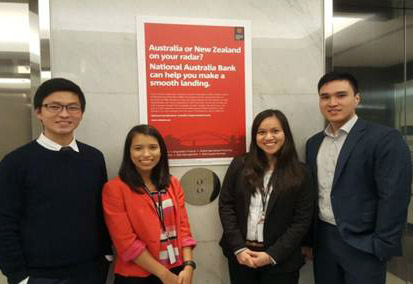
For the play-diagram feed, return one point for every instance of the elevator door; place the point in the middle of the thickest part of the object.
(374, 41)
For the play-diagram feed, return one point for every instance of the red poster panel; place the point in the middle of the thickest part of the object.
(195, 83)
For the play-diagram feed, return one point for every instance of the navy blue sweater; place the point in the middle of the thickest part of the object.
(51, 221)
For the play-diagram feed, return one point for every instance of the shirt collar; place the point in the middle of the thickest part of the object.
(51, 145)
(345, 128)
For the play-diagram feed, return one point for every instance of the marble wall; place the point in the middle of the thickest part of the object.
(93, 42)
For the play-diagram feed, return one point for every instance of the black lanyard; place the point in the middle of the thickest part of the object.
(264, 195)
(158, 208)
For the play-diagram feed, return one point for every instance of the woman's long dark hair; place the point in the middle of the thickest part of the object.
(288, 172)
(160, 176)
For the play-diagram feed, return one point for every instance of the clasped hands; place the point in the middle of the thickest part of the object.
(253, 259)
(184, 277)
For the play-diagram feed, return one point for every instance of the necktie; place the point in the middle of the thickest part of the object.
(65, 149)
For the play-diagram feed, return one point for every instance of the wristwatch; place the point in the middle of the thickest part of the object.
(190, 263)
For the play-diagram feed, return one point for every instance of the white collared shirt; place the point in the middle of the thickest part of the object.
(326, 165)
(51, 145)
(256, 210)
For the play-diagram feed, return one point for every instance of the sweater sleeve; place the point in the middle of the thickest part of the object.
(125, 240)
(12, 261)
(184, 228)
(107, 243)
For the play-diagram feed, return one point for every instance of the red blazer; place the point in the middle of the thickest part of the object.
(134, 225)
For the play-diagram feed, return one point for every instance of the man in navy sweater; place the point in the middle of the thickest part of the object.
(51, 223)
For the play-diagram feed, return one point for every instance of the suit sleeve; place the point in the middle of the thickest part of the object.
(309, 237)
(12, 261)
(291, 239)
(227, 207)
(393, 177)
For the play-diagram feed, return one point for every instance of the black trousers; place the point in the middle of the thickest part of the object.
(337, 262)
(241, 274)
(152, 279)
(96, 276)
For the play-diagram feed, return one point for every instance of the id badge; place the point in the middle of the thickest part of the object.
(171, 254)
(260, 232)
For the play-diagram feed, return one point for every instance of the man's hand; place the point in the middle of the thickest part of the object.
(307, 253)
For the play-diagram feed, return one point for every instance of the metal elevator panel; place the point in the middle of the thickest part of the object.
(24, 64)
(15, 100)
(373, 40)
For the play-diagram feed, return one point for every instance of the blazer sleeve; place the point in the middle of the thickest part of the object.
(309, 237)
(12, 260)
(227, 206)
(184, 228)
(125, 240)
(393, 177)
(291, 239)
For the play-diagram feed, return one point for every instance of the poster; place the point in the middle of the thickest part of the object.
(195, 86)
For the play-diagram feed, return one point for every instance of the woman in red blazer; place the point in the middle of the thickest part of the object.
(145, 212)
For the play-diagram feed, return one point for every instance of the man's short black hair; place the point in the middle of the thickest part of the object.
(55, 85)
(339, 76)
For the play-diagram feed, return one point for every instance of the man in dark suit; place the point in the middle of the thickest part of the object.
(363, 174)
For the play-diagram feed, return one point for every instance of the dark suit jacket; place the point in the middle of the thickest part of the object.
(287, 221)
(371, 187)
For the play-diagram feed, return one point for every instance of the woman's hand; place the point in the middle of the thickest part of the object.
(185, 276)
(169, 278)
(245, 258)
(260, 258)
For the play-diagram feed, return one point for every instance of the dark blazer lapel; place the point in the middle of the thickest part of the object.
(271, 202)
(244, 185)
(247, 199)
(353, 137)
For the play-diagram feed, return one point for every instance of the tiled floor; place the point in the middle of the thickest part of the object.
(402, 267)
(305, 278)
(392, 279)
(2, 279)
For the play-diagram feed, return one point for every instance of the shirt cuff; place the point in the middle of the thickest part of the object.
(273, 262)
(188, 242)
(24, 281)
(239, 251)
(134, 251)
(109, 257)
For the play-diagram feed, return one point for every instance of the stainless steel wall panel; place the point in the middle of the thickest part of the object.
(374, 41)
(15, 113)
(24, 64)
